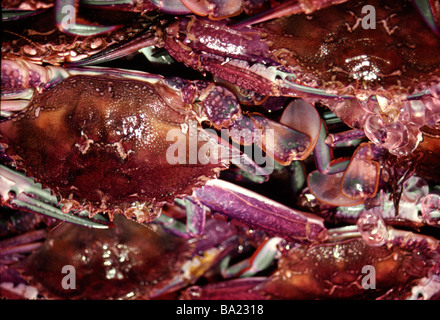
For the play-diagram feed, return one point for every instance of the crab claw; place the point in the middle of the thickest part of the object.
(351, 187)
(20, 75)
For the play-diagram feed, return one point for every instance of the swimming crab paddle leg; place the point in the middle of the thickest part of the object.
(348, 185)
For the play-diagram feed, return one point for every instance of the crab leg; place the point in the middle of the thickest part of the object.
(290, 139)
(412, 241)
(361, 179)
(322, 152)
(195, 220)
(261, 259)
(247, 166)
(22, 243)
(430, 12)
(20, 74)
(13, 14)
(24, 193)
(375, 233)
(416, 197)
(345, 139)
(236, 289)
(303, 117)
(350, 187)
(118, 51)
(208, 251)
(326, 187)
(260, 212)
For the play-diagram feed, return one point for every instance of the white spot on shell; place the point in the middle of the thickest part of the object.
(184, 128)
(29, 50)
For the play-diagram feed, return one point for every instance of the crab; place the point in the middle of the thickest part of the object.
(129, 260)
(142, 133)
(394, 103)
(347, 264)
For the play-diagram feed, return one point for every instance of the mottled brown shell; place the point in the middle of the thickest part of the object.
(337, 270)
(333, 49)
(127, 261)
(102, 142)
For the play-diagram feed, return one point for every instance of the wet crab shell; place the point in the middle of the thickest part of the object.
(101, 143)
(397, 54)
(128, 261)
(382, 79)
(110, 146)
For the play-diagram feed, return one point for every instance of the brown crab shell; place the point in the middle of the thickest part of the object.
(101, 144)
(325, 272)
(336, 50)
(128, 261)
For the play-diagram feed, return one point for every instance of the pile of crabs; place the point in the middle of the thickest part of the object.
(232, 150)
